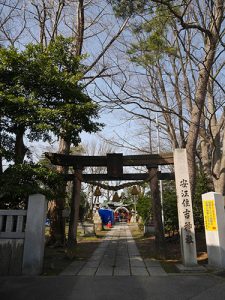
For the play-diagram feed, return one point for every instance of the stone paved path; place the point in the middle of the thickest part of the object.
(117, 255)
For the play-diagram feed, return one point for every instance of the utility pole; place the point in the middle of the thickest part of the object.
(158, 151)
(150, 133)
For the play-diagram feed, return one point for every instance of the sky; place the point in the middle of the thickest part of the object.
(115, 126)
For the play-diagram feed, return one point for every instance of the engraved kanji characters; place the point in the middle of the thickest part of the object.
(186, 210)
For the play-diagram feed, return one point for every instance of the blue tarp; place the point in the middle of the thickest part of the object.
(106, 215)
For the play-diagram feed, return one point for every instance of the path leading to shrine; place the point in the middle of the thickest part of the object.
(117, 255)
(115, 271)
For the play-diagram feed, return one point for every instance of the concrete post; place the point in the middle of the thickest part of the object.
(34, 235)
(184, 205)
(214, 219)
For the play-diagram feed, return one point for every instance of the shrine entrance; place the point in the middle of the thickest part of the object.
(122, 214)
(114, 162)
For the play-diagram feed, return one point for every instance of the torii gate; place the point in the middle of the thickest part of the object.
(114, 162)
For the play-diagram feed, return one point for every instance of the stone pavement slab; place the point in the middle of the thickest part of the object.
(156, 271)
(87, 271)
(137, 261)
(139, 271)
(152, 263)
(122, 271)
(178, 287)
(117, 255)
(104, 271)
(73, 268)
(95, 258)
(92, 264)
(195, 269)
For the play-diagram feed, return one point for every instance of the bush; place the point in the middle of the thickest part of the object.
(171, 223)
(202, 186)
(144, 207)
(170, 209)
(20, 181)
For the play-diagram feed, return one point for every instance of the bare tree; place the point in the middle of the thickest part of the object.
(96, 148)
(83, 20)
(175, 78)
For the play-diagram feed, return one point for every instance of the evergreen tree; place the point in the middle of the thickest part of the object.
(40, 96)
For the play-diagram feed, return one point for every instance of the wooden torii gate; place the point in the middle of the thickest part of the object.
(114, 162)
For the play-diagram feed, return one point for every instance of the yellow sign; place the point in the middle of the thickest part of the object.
(209, 211)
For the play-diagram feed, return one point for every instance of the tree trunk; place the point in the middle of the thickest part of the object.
(74, 214)
(200, 97)
(1, 165)
(1, 158)
(217, 128)
(57, 221)
(204, 157)
(58, 230)
(80, 27)
(219, 168)
(201, 89)
(157, 214)
(20, 149)
(205, 146)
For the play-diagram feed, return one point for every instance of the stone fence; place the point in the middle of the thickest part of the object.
(22, 238)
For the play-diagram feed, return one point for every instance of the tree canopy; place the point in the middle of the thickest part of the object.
(40, 95)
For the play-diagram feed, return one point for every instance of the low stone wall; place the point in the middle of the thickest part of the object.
(149, 229)
(22, 238)
(12, 235)
(86, 229)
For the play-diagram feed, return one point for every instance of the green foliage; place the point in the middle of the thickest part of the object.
(170, 204)
(125, 8)
(202, 186)
(152, 39)
(21, 180)
(150, 26)
(170, 208)
(84, 206)
(40, 94)
(171, 224)
(144, 207)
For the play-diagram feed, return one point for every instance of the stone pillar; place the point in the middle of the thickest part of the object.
(157, 212)
(185, 212)
(97, 222)
(34, 235)
(214, 219)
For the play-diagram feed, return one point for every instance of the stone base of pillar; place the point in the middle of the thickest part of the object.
(195, 269)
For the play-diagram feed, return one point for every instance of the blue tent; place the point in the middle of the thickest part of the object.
(106, 215)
